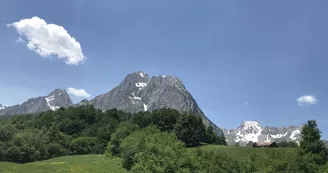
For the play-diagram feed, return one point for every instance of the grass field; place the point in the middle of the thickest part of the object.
(101, 164)
(243, 153)
(67, 164)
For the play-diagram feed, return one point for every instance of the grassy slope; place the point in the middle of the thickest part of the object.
(243, 154)
(67, 164)
(100, 164)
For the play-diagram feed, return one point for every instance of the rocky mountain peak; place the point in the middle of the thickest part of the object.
(246, 125)
(53, 101)
(253, 131)
(58, 98)
(136, 77)
(138, 92)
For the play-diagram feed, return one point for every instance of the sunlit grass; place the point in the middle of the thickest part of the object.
(67, 164)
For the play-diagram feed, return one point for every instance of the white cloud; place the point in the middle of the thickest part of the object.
(306, 100)
(78, 92)
(49, 39)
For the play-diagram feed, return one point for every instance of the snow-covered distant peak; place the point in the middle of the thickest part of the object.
(251, 125)
(253, 131)
(2, 107)
(142, 74)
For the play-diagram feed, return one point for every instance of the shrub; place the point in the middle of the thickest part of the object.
(87, 145)
(150, 150)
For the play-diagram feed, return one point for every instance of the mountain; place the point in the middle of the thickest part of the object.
(56, 99)
(2, 107)
(138, 92)
(253, 131)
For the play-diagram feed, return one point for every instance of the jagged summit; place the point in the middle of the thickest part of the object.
(139, 92)
(52, 101)
(253, 131)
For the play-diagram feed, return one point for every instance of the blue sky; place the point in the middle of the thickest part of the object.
(241, 60)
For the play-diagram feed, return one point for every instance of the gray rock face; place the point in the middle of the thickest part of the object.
(253, 131)
(138, 93)
(55, 100)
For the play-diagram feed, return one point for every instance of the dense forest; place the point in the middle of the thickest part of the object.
(161, 141)
(85, 130)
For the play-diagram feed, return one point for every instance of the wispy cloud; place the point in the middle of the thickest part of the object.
(49, 39)
(20, 40)
(78, 92)
(306, 100)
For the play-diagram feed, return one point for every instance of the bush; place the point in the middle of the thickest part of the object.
(87, 145)
(150, 150)
(285, 144)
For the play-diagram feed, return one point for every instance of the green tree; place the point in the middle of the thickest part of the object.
(122, 131)
(87, 145)
(165, 119)
(6, 132)
(212, 138)
(190, 129)
(311, 143)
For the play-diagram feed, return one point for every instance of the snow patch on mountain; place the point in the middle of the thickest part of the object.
(141, 84)
(135, 97)
(296, 132)
(2, 107)
(145, 107)
(49, 99)
(279, 135)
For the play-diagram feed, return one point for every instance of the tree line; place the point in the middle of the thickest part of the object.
(161, 141)
(151, 150)
(86, 130)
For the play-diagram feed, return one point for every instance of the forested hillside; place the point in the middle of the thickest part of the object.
(160, 141)
(85, 130)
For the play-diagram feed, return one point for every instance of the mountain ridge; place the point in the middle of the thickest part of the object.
(53, 101)
(137, 92)
(255, 132)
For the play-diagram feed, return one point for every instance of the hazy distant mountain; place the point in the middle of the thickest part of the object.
(253, 131)
(56, 99)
